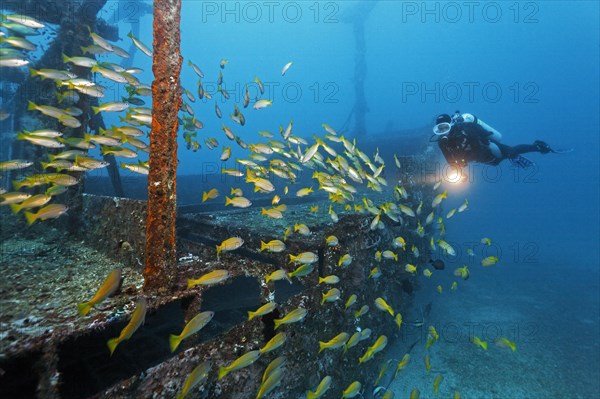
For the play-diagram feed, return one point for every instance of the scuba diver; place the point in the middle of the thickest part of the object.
(464, 138)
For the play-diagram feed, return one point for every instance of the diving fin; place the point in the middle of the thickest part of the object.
(521, 162)
(561, 151)
(544, 148)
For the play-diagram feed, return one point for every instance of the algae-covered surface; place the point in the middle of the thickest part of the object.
(45, 273)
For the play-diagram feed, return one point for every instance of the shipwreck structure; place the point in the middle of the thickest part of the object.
(49, 351)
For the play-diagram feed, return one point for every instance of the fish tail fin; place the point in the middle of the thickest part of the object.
(251, 315)
(227, 200)
(15, 208)
(95, 109)
(263, 245)
(310, 395)
(218, 250)
(31, 217)
(292, 258)
(322, 346)
(484, 345)
(84, 308)
(31, 106)
(33, 72)
(174, 341)
(18, 184)
(277, 323)
(190, 283)
(112, 344)
(223, 371)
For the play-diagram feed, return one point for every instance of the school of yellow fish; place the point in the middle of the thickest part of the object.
(340, 170)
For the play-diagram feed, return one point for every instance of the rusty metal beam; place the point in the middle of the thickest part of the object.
(160, 269)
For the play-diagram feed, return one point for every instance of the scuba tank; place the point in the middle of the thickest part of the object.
(458, 118)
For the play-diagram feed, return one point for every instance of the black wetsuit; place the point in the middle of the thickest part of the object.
(469, 142)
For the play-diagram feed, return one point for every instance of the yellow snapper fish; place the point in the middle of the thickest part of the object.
(439, 289)
(331, 241)
(451, 213)
(438, 199)
(454, 286)
(237, 192)
(345, 260)
(398, 320)
(211, 194)
(275, 364)
(382, 305)
(478, 342)
(427, 273)
(321, 389)
(241, 362)
(272, 246)
(304, 258)
(214, 277)
(334, 343)
(436, 383)
(294, 316)
(108, 287)
(331, 296)
(489, 261)
(375, 273)
(427, 361)
(410, 268)
(191, 328)
(277, 275)
(276, 342)
(14, 197)
(506, 343)
(239, 202)
(462, 272)
(415, 394)
(352, 391)
(31, 202)
(230, 244)
(303, 192)
(198, 376)
(271, 382)
(387, 254)
(272, 213)
(260, 104)
(137, 319)
(361, 312)
(302, 229)
(353, 341)
(302, 271)
(402, 364)
(351, 301)
(464, 206)
(51, 211)
(378, 346)
(446, 247)
(329, 280)
(486, 241)
(407, 211)
(263, 310)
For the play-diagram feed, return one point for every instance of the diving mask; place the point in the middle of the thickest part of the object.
(442, 128)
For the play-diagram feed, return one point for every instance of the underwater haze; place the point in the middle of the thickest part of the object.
(529, 69)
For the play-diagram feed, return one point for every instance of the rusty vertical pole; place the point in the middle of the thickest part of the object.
(161, 265)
